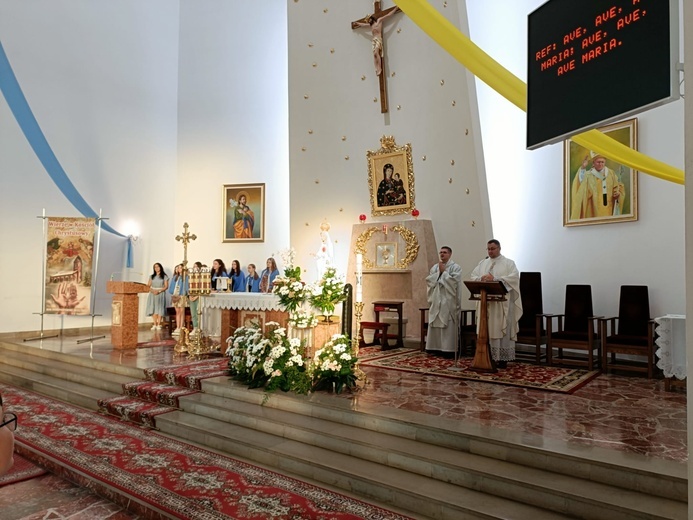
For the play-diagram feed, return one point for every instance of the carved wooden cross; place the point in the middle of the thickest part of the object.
(185, 238)
(375, 22)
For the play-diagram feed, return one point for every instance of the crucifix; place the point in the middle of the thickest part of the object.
(186, 238)
(375, 22)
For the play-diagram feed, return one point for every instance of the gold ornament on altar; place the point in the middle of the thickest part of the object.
(407, 235)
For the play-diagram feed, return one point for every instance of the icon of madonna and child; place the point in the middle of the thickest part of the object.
(391, 190)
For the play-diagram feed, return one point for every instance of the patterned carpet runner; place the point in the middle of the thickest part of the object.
(22, 470)
(159, 476)
(554, 379)
(143, 401)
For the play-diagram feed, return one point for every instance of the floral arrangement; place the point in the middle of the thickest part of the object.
(274, 361)
(270, 360)
(334, 365)
(291, 290)
(301, 319)
(328, 292)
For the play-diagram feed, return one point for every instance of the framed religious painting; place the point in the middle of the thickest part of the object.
(596, 188)
(243, 216)
(390, 178)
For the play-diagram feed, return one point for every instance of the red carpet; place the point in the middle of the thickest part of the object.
(144, 400)
(554, 379)
(189, 374)
(176, 479)
(22, 470)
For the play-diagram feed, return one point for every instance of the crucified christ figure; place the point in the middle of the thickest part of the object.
(375, 21)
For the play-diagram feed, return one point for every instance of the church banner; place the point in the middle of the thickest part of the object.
(69, 254)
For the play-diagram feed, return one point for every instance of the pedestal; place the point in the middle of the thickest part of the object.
(305, 334)
(323, 333)
(125, 312)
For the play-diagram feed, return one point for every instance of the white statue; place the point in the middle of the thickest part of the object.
(324, 258)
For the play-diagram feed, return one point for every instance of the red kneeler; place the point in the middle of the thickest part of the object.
(380, 334)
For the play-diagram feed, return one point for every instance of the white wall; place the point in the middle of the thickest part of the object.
(150, 107)
(100, 78)
(233, 122)
(335, 119)
(526, 191)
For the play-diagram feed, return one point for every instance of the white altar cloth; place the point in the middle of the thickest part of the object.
(671, 340)
(243, 301)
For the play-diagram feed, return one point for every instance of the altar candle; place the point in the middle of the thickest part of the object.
(359, 293)
(359, 263)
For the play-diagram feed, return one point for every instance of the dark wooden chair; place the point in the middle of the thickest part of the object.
(468, 331)
(379, 335)
(576, 330)
(534, 323)
(634, 335)
(424, 327)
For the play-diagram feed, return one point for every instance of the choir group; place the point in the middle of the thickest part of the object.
(178, 287)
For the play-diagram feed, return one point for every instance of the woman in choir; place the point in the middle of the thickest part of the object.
(237, 277)
(252, 280)
(218, 271)
(194, 303)
(178, 288)
(268, 275)
(156, 301)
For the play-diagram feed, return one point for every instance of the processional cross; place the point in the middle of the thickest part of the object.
(186, 238)
(375, 22)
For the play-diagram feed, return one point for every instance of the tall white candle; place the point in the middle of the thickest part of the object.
(359, 263)
(359, 293)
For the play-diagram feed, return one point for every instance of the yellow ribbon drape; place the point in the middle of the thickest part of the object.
(514, 89)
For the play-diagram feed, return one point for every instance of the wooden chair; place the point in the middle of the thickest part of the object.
(424, 327)
(635, 333)
(534, 323)
(468, 331)
(576, 331)
(379, 336)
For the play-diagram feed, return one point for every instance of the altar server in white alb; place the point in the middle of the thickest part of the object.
(503, 316)
(444, 293)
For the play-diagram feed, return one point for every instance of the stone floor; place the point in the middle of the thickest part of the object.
(626, 414)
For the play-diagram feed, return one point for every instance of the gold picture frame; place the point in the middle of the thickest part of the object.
(592, 200)
(243, 221)
(390, 178)
(386, 255)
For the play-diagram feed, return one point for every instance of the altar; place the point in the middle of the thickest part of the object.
(243, 309)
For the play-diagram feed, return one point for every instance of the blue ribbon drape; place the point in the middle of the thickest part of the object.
(32, 131)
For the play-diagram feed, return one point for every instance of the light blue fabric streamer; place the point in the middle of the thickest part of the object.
(130, 262)
(27, 122)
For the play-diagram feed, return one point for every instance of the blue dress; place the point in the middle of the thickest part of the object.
(156, 303)
(252, 284)
(238, 282)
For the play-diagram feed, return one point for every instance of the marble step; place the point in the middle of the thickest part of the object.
(391, 486)
(111, 366)
(562, 493)
(632, 472)
(62, 369)
(60, 389)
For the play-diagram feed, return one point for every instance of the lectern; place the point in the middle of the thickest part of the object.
(484, 292)
(125, 312)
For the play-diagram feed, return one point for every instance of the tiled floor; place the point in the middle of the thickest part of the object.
(628, 414)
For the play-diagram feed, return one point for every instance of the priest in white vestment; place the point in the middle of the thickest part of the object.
(444, 294)
(503, 316)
